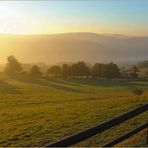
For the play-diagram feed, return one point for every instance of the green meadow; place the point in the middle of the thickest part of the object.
(35, 112)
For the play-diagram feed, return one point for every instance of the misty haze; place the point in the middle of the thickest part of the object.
(72, 47)
(74, 73)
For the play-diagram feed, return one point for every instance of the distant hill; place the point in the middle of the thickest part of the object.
(71, 47)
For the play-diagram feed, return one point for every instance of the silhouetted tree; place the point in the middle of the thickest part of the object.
(110, 71)
(35, 71)
(55, 70)
(79, 69)
(105, 71)
(65, 70)
(13, 66)
(96, 70)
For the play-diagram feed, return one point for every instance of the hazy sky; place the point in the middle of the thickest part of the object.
(101, 16)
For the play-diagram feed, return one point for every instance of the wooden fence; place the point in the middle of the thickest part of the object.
(83, 135)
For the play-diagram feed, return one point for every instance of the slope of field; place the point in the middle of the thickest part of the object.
(40, 111)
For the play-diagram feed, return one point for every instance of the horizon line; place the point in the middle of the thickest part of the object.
(36, 34)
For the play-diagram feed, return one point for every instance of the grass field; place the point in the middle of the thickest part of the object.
(37, 112)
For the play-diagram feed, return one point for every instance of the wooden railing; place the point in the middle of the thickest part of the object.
(83, 135)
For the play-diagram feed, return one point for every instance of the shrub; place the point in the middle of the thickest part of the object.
(133, 75)
(137, 91)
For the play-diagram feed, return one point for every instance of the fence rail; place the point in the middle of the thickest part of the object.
(122, 138)
(83, 135)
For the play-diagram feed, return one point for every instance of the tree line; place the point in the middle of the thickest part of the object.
(79, 69)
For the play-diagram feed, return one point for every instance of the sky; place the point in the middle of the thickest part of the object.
(128, 17)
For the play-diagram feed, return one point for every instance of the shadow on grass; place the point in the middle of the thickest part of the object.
(49, 83)
(109, 82)
(63, 81)
(8, 88)
(71, 84)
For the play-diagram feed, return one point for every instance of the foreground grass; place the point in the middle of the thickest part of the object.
(37, 112)
(137, 140)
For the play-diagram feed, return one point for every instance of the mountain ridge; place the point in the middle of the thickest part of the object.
(71, 47)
